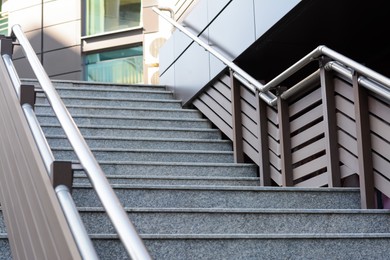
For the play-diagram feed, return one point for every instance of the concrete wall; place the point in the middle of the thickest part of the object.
(53, 28)
(186, 67)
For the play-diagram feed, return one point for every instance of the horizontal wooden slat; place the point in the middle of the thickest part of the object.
(248, 96)
(381, 165)
(273, 131)
(223, 89)
(274, 146)
(379, 109)
(220, 99)
(345, 171)
(250, 138)
(225, 79)
(272, 115)
(307, 135)
(348, 159)
(251, 152)
(248, 110)
(303, 103)
(222, 125)
(308, 151)
(348, 142)
(217, 108)
(276, 176)
(379, 127)
(249, 124)
(315, 182)
(345, 107)
(343, 89)
(310, 167)
(306, 118)
(380, 146)
(275, 161)
(346, 124)
(382, 184)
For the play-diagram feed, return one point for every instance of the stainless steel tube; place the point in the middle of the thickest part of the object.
(125, 229)
(39, 136)
(249, 79)
(12, 73)
(83, 242)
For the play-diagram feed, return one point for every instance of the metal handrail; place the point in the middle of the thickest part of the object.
(246, 79)
(377, 82)
(123, 226)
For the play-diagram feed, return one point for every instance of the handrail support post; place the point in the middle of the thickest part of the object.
(62, 174)
(365, 164)
(236, 119)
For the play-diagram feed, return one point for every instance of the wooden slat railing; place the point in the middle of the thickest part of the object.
(329, 135)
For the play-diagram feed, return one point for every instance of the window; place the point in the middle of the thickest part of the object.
(111, 15)
(117, 66)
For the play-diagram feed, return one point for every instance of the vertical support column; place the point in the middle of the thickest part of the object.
(262, 135)
(285, 143)
(330, 126)
(236, 119)
(366, 172)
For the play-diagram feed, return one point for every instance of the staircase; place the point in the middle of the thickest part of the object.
(176, 177)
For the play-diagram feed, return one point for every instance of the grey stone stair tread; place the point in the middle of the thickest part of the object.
(114, 141)
(166, 196)
(130, 121)
(150, 132)
(150, 155)
(124, 111)
(177, 168)
(242, 221)
(173, 180)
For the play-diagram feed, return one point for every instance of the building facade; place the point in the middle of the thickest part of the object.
(95, 40)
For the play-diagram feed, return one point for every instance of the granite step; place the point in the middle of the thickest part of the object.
(110, 102)
(96, 85)
(81, 178)
(138, 132)
(149, 155)
(170, 196)
(243, 221)
(145, 143)
(130, 121)
(179, 169)
(123, 111)
(115, 93)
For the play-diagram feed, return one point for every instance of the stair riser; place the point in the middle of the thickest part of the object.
(151, 156)
(147, 144)
(321, 249)
(242, 223)
(211, 198)
(146, 181)
(178, 170)
(117, 103)
(90, 86)
(116, 94)
(138, 133)
(130, 122)
(183, 114)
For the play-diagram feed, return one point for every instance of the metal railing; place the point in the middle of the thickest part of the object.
(125, 229)
(253, 85)
(357, 74)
